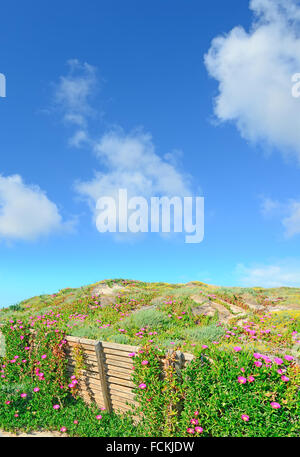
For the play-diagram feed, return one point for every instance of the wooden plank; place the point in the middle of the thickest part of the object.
(93, 365)
(118, 374)
(116, 358)
(77, 340)
(86, 352)
(83, 347)
(121, 406)
(118, 352)
(112, 362)
(96, 396)
(102, 373)
(126, 371)
(90, 382)
(124, 400)
(92, 395)
(122, 347)
(127, 395)
(91, 373)
(119, 381)
(119, 388)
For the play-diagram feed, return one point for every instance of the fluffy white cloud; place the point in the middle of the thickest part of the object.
(25, 211)
(286, 274)
(132, 163)
(254, 71)
(288, 213)
(291, 223)
(72, 96)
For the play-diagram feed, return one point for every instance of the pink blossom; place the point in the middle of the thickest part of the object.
(242, 380)
(199, 429)
(142, 386)
(288, 357)
(56, 406)
(194, 421)
(275, 405)
(278, 361)
(245, 417)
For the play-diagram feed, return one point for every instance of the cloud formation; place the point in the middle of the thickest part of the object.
(72, 96)
(288, 213)
(127, 160)
(131, 162)
(283, 274)
(25, 211)
(254, 71)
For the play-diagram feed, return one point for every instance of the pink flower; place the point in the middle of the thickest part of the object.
(257, 363)
(288, 357)
(199, 429)
(132, 354)
(99, 417)
(194, 421)
(36, 389)
(237, 348)
(145, 362)
(44, 356)
(242, 380)
(204, 346)
(285, 378)
(278, 361)
(245, 417)
(56, 406)
(63, 429)
(191, 431)
(275, 405)
(142, 386)
(23, 395)
(251, 378)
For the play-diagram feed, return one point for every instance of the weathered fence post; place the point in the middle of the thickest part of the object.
(102, 374)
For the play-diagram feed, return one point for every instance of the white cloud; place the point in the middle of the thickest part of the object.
(132, 163)
(25, 211)
(291, 223)
(126, 160)
(288, 212)
(286, 273)
(254, 71)
(72, 96)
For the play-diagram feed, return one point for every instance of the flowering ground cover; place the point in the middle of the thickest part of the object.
(243, 381)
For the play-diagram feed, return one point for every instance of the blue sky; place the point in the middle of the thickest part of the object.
(219, 115)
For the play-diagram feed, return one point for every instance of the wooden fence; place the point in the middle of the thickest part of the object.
(104, 371)
(106, 376)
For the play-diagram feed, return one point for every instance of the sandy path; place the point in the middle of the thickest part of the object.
(30, 435)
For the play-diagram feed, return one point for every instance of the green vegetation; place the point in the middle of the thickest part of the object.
(244, 380)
